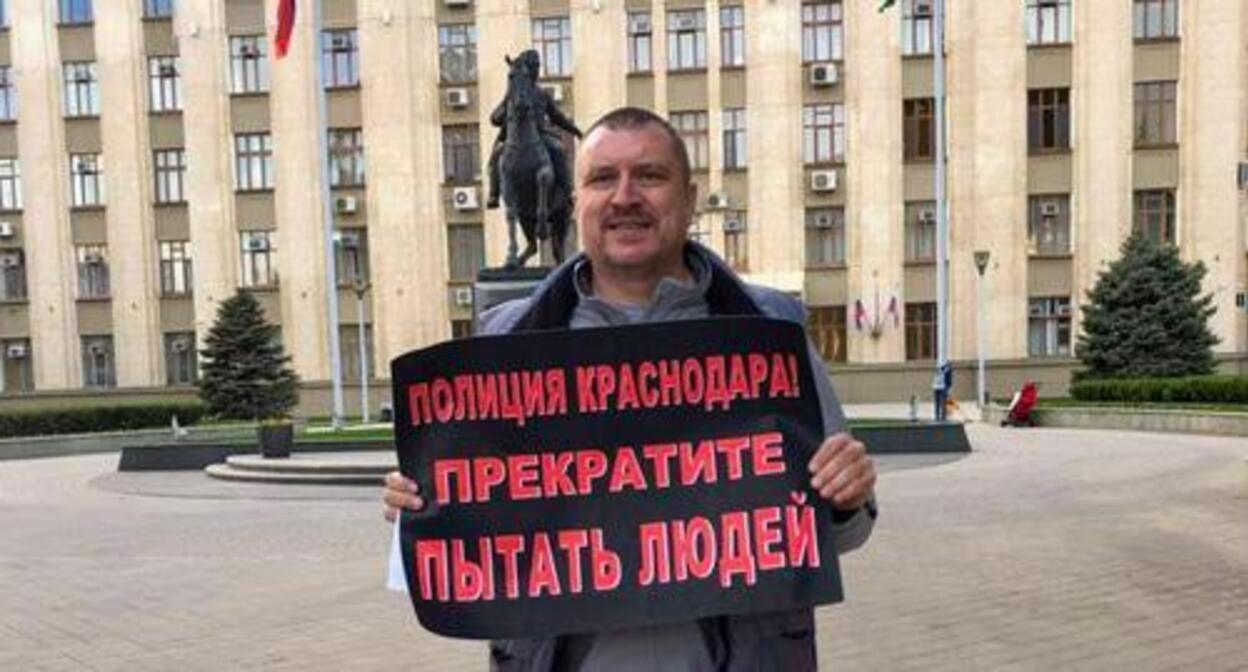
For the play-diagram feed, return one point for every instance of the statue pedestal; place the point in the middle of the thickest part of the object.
(498, 285)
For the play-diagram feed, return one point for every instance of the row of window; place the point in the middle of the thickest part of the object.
(823, 35)
(73, 12)
(99, 366)
(257, 266)
(824, 135)
(253, 170)
(1048, 329)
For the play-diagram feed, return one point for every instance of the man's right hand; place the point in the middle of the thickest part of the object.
(400, 493)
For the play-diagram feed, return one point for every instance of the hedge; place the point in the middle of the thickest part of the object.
(1196, 390)
(98, 419)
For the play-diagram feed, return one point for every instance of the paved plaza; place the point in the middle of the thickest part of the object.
(1045, 549)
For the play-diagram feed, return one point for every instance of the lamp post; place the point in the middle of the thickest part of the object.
(981, 265)
(361, 288)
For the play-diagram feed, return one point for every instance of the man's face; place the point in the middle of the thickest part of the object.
(633, 202)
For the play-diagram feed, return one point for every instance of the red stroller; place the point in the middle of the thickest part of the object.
(1019, 414)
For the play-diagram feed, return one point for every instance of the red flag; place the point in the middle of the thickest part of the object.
(285, 25)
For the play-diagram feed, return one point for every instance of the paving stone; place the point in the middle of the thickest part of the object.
(1043, 549)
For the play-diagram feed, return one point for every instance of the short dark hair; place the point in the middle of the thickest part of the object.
(633, 118)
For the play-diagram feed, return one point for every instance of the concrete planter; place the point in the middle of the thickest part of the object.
(276, 440)
(1176, 421)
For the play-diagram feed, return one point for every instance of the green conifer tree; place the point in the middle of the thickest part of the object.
(245, 372)
(1145, 317)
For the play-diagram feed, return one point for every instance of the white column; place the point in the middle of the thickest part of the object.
(202, 43)
(504, 28)
(1211, 112)
(403, 145)
(874, 211)
(297, 198)
(133, 260)
(1101, 109)
(50, 269)
(774, 135)
(998, 105)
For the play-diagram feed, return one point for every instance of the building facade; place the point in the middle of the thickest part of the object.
(155, 156)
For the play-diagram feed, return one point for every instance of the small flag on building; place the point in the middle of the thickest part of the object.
(285, 26)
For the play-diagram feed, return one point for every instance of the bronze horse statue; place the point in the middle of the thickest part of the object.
(533, 194)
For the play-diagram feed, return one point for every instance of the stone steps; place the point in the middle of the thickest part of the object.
(358, 468)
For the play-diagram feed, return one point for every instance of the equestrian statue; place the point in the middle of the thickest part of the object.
(528, 164)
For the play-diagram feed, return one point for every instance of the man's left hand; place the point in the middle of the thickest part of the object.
(842, 471)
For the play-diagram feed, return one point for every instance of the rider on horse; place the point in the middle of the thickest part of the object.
(532, 64)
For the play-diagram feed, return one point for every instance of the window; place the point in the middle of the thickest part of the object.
(1155, 113)
(920, 331)
(97, 362)
(1048, 327)
(351, 256)
(8, 94)
(157, 9)
(919, 131)
(736, 243)
(18, 373)
(466, 251)
(461, 329)
(552, 38)
(918, 28)
(1156, 19)
(461, 152)
(686, 40)
(170, 166)
(74, 11)
(640, 39)
(259, 258)
(253, 161)
(692, 128)
(340, 58)
(823, 31)
(92, 271)
(346, 157)
(1154, 215)
(1048, 119)
(457, 53)
(4, 14)
(175, 268)
(349, 343)
(921, 232)
(249, 64)
(827, 328)
(825, 237)
(12, 275)
(700, 228)
(10, 184)
(1048, 21)
(82, 91)
(164, 84)
(736, 153)
(86, 180)
(1048, 225)
(181, 362)
(823, 133)
(732, 36)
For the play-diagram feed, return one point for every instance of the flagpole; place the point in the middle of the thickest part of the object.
(944, 370)
(327, 212)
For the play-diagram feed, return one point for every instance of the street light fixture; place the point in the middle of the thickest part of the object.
(981, 265)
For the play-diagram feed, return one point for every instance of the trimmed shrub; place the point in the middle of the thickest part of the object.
(1192, 390)
(98, 419)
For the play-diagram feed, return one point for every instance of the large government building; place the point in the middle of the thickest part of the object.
(155, 156)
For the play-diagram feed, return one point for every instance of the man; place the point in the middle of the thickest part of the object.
(531, 64)
(635, 204)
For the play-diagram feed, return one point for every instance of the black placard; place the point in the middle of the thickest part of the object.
(506, 436)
